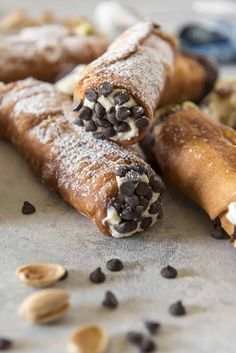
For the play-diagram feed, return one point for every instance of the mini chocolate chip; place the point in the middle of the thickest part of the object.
(79, 122)
(122, 113)
(99, 110)
(102, 122)
(122, 170)
(114, 265)
(169, 272)
(97, 276)
(177, 309)
(91, 94)
(132, 201)
(109, 132)
(85, 113)
(138, 168)
(135, 338)
(127, 188)
(138, 213)
(143, 202)
(116, 203)
(5, 344)
(218, 232)
(152, 326)
(64, 276)
(147, 346)
(142, 189)
(137, 111)
(121, 98)
(78, 105)
(110, 301)
(133, 175)
(99, 135)
(105, 88)
(142, 122)
(126, 227)
(156, 183)
(90, 125)
(122, 127)
(146, 222)
(28, 208)
(127, 213)
(155, 207)
(111, 115)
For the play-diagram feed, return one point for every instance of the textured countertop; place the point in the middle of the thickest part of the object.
(56, 233)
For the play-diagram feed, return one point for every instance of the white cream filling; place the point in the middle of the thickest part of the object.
(231, 214)
(113, 217)
(67, 83)
(107, 103)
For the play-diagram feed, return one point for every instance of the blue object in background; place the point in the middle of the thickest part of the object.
(212, 38)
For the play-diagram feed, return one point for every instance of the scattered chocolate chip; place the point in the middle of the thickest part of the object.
(78, 106)
(105, 88)
(142, 122)
(143, 189)
(132, 201)
(90, 125)
(111, 115)
(79, 122)
(127, 213)
(110, 301)
(152, 326)
(177, 309)
(97, 276)
(135, 338)
(109, 132)
(218, 232)
(91, 95)
(133, 175)
(122, 127)
(143, 202)
(126, 227)
(28, 208)
(155, 207)
(147, 346)
(85, 113)
(99, 110)
(146, 222)
(138, 168)
(138, 213)
(137, 111)
(116, 203)
(156, 183)
(99, 135)
(127, 188)
(121, 98)
(64, 276)
(169, 272)
(122, 170)
(122, 113)
(114, 265)
(102, 122)
(5, 344)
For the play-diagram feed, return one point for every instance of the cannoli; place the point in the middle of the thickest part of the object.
(46, 52)
(221, 104)
(116, 94)
(198, 156)
(194, 77)
(109, 184)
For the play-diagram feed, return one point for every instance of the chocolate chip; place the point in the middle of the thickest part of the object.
(63, 277)
(137, 111)
(102, 122)
(116, 203)
(147, 346)
(99, 110)
(122, 170)
(177, 309)
(143, 202)
(110, 301)
(85, 113)
(142, 122)
(156, 184)
(114, 265)
(127, 188)
(91, 94)
(5, 344)
(97, 276)
(138, 168)
(99, 136)
(218, 232)
(79, 122)
(28, 208)
(78, 106)
(160, 214)
(152, 326)
(109, 132)
(132, 201)
(146, 222)
(105, 88)
(142, 189)
(122, 127)
(135, 338)
(121, 98)
(133, 175)
(169, 272)
(111, 115)
(126, 227)
(155, 207)
(122, 113)
(90, 125)
(127, 213)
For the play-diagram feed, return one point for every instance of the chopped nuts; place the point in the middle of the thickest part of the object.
(40, 274)
(88, 339)
(45, 306)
